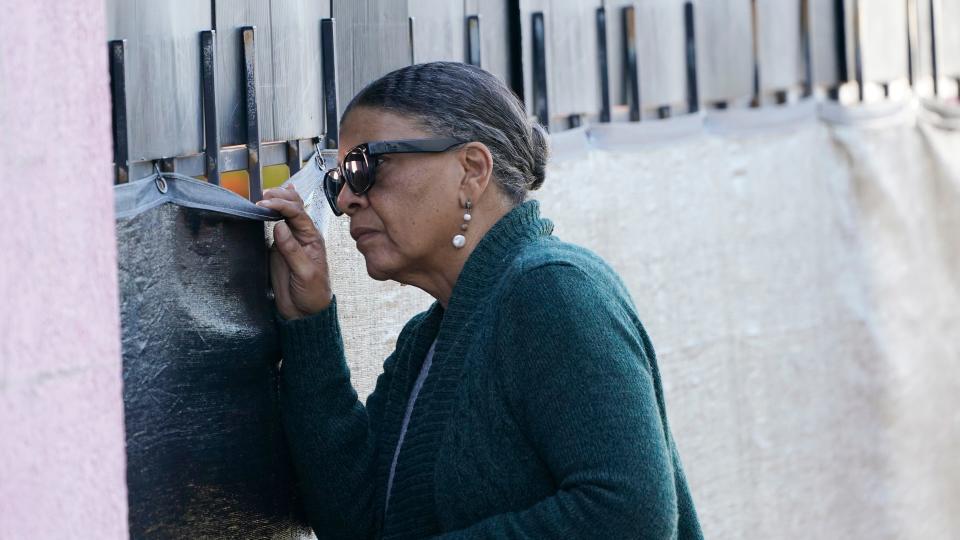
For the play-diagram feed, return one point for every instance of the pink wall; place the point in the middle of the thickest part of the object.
(62, 461)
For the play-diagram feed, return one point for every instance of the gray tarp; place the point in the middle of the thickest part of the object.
(206, 453)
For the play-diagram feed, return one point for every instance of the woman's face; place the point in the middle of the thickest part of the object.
(404, 224)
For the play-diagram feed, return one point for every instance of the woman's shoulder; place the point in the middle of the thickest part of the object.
(557, 293)
(552, 263)
(553, 250)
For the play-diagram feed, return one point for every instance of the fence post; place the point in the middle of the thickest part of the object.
(248, 35)
(211, 128)
(118, 94)
(329, 70)
(540, 106)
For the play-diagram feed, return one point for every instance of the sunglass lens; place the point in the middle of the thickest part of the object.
(332, 184)
(355, 172)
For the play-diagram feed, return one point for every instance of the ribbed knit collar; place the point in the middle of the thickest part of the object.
(491, 255)
(520, 225)
(411, 506)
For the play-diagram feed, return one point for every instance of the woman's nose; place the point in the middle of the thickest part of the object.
(349, 202)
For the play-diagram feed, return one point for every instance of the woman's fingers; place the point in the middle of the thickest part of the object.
(294, 214)
(298, 264)
(286, 191)
(280, 279)
(301, 284)
(293, 253)
(288, 203)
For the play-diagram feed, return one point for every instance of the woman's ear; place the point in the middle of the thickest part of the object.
(477, 163)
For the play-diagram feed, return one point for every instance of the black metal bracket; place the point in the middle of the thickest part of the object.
(515, 50)
(631, 70)
(857, 51)
(913, 46)
(756, 100)
(473, 40)
(118, 93)
(411, 23)
(806, 53)
(603, 64)
(934, 61)
(329, 74)
(540, 107)
(840, 33)
(211, 128)
(294, 163)
(167, 165)
(690, 38)
(255, 170)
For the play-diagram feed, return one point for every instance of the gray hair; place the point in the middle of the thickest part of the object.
(450, 99)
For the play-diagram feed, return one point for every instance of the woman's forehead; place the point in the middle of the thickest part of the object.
(365, 124)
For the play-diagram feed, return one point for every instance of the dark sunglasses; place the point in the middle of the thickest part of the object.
(359, 164)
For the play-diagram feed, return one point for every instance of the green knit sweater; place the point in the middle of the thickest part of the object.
(542, 416)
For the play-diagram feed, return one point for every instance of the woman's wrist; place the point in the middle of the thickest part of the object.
(302, 310)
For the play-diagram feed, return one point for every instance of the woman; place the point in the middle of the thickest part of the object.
(526, 402)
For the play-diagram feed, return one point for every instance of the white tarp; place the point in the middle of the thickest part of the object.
(800, 280)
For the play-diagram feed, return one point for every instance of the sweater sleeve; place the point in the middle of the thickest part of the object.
(332, 435)
(580, 383)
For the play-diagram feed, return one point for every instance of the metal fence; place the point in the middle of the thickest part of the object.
(239, 92)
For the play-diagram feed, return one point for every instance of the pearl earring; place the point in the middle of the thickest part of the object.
(459, 240)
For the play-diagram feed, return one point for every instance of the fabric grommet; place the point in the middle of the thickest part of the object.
(161, 184)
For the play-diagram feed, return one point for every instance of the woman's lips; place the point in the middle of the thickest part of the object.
(364, 235)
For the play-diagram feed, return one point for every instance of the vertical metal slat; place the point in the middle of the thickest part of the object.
(248, 35)
(755, 31)
(294, 163)
(329, 71)
(118, 94)
(211, 128)
(690, 37)
(515, 60)
(411, 23)
(840, 33)
(934, 61)
(806, 48)
(858, 51)
(632, 78)
(602, 62)
(473, 40)
(913, 46)
(540, 107)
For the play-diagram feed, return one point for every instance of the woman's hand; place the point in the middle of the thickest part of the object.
(298, 260)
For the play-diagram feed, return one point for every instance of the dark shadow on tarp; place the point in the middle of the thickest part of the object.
(206, 454)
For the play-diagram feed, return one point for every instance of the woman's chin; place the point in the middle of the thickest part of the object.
(375, 270)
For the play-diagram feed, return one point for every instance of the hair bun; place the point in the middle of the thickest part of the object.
(540, 145)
